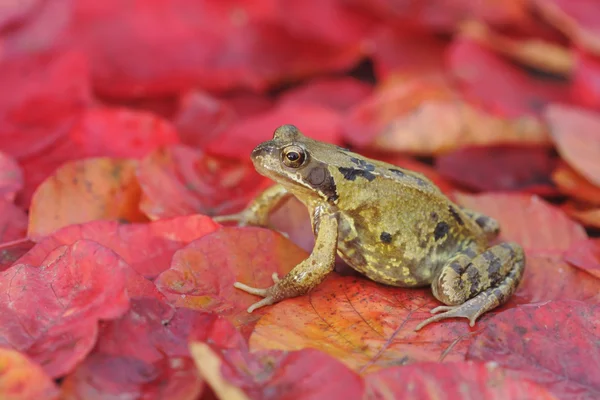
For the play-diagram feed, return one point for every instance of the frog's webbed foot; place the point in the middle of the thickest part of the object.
(471, 310)
(472, 284)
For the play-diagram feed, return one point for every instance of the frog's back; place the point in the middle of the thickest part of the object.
(397, 227)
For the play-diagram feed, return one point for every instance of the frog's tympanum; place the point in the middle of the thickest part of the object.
(391, 224)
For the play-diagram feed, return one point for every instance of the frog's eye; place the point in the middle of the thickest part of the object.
(293, 156)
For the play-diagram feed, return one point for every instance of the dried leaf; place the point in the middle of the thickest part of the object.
(223, 359)
(576, 133)
(554, 344)
(20, 378)
(202, 274)
(86, 190)
(51, 312)
(179, 180)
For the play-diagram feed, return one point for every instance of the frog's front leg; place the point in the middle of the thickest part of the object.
(472, 284)
(258, 211)
(309, 273)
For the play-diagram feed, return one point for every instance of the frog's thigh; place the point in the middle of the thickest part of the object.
(473, 286)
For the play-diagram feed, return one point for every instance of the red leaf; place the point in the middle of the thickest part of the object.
(492, 82)
(451, 380)
(14, 13)
(576, 133)
(585, 87)
(51, 312)
(11, 177)
(336, 93)
(577, 20)
(585, 255)
(147, 248)
(317, 122)
(23, 379)
(40, 100)
(402, 50)
(554, 344)
(202, 274)
(223, 359)
(13, 222)
(500, 168)
(179, 180)
(233, 45)
(86, 190)
(202, 117)
(121, 132)
(12, 251)
(157, 363)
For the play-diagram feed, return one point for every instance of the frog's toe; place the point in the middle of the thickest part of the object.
(467, 310)
(251, 290)
(267, 301)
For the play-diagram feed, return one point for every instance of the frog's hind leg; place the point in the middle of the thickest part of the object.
(488, 225)
(473, 284)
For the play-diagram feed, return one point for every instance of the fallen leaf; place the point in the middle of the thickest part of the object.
(585, 255)
(17, 12)
(424, 116)
(571, 183)
(201, 117)
(451, 380)
(147, 248)
(11, 177)
(86, 190)
(239, 45)
(577, 20)
(12, 251)
(223, 359)
(23, 379)
(42, 96)
(13, 222)
(202, 274)
(51, 312)
(179, 180)
(365, 325)
(156, 364)
(528, 220)
(401, 50)
(553, 344)
(588, 215)
(585, 86)
(499, 87)
(315, 121)
(498, 168)
(535, 52)
(576, 133)
(336, 93)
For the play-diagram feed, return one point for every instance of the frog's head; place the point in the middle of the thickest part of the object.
(297, 162)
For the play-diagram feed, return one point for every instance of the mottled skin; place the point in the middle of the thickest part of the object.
(389, 223)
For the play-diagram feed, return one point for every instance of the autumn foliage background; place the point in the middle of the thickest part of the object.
(126, 125)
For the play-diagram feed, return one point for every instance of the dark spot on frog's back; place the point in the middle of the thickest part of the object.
(441, 230)
(397, 172)
(455, 215)
(385, 237)
(352, 173)
(362, 164)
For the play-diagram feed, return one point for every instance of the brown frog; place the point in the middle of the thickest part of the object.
(391, 224)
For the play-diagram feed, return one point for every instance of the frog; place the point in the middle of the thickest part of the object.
(391, 224)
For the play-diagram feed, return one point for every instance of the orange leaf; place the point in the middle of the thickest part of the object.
(21, 378)
(86, 190)
(573, 184)
(576, 133)
(202, 274)
(424, 116)
(365, 325)
(584, 213)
